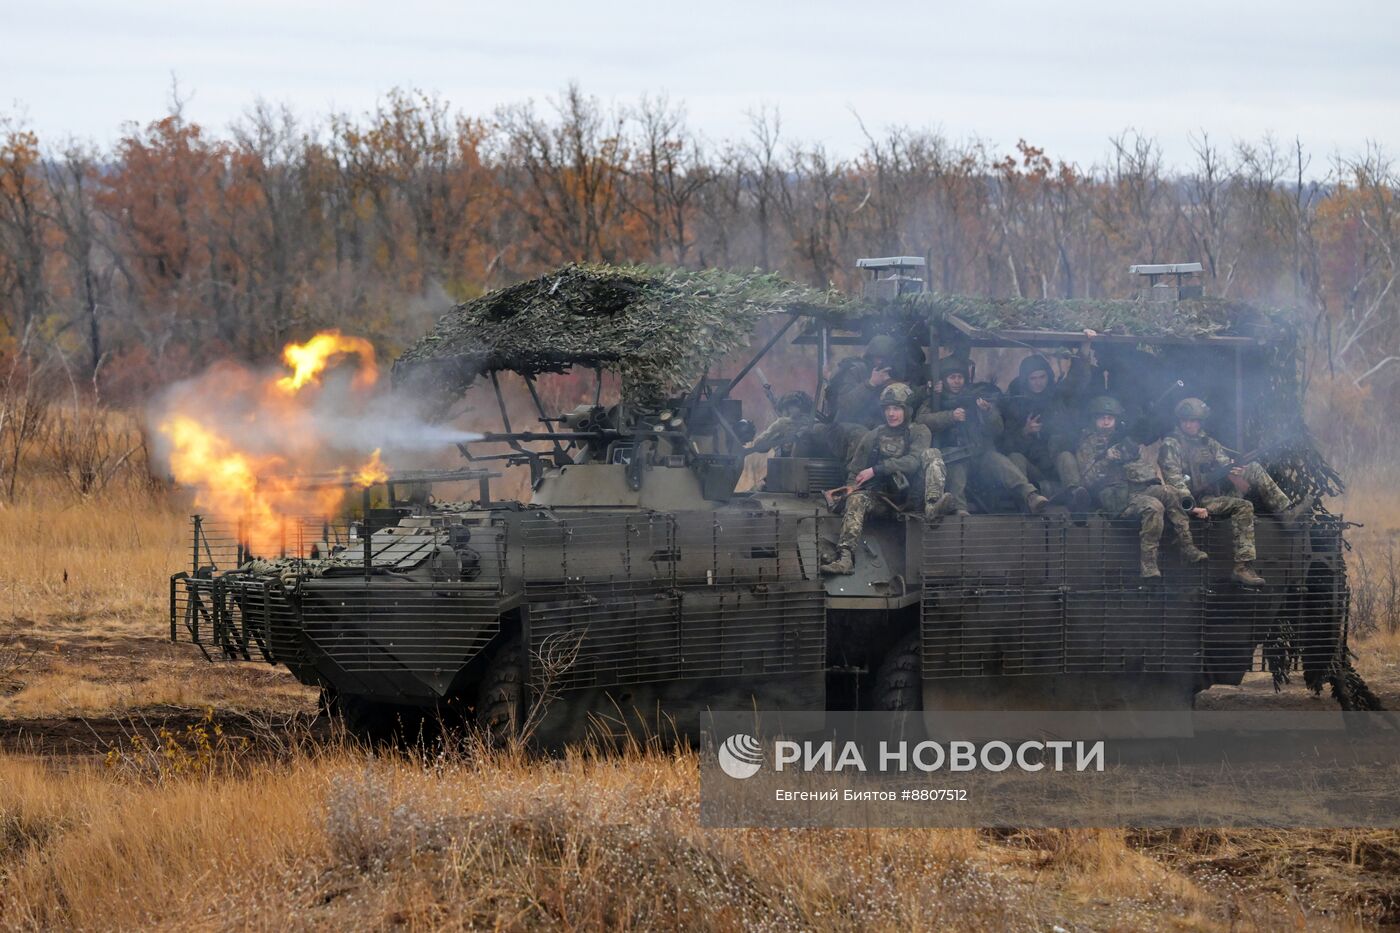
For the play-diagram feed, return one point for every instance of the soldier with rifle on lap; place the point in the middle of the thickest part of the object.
(1126, 486)
(965, 423)
(1196, 465)
(891, 466)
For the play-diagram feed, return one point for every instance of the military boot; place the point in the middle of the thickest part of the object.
(1149, 567)
(939, 507)
(1036, 503)
(1079, 500)
(1246, 575)
(1299, 515)
(845, 562)
(1192, 554)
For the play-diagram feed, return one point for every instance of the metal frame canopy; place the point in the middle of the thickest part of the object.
(661, 329)
(658, 328)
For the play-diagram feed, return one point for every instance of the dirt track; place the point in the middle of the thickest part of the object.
(263, 715)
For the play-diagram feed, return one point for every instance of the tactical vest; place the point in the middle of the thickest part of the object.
(892, 442)
(1197, 456)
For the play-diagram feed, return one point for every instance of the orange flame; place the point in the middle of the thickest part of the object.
(372, 472)
(260, 491)
(308, 360)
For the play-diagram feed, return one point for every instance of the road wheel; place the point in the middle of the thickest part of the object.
(898, 681)
(500, 706)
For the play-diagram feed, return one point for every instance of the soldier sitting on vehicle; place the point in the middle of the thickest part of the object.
(1195, 464)
(965, 423)
(852, 399)
(854, 394)
(791, 432)
(1126, 486)
(893, 466)
(1042, 425)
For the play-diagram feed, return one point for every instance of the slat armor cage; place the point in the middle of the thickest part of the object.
(1016, 595)
(657, 596)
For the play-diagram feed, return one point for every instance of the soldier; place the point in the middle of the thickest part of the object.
(854, 394)
(790, 431)
(966, 423)
(1042, 426)
(889, 462)
(1127, 486)
(1189, 455)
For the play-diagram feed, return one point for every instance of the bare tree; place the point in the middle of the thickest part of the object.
(667, 173)
(762, 176)
(23, 225)
(570, 172)
(72, 178)
(24, 412)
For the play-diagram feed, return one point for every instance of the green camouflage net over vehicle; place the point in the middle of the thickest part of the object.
(1203, 317)
(658, 328)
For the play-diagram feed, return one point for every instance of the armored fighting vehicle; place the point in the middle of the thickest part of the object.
(646, 578)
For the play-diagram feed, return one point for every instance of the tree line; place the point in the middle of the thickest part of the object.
(142, 262)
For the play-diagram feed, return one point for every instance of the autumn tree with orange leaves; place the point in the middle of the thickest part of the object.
(130, 267)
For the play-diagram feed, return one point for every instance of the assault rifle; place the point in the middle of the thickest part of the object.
(899, 481)
(1218, 475)
(835, 497)
(967, 435)
(768, 389)
(1129, 447)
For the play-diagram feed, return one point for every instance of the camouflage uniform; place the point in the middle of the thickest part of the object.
(974, 439)
(792, 432)
(1129, 488)
(1185, 458)
(851, 397)
(905, 466)
(852, 403)
(783, 432)
(1186, 463)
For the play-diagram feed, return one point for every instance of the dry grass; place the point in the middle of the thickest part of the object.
(83, 590)
(328, 836)
(338, 838)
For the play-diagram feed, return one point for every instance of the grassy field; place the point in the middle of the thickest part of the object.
(237, 816)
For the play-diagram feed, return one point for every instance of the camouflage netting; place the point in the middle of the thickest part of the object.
(1193, 318)
(657, 328)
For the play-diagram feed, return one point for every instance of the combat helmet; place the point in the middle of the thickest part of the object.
(898, 393)
(881, 346)
(798, 400)
(1105, 405)
(1191, 408)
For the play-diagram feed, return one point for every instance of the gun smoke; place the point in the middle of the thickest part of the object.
(246, 439)
(336, 426)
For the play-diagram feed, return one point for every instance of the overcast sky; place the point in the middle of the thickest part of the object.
(1063, 75)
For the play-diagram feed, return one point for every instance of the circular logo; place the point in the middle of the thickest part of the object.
(740, 756)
